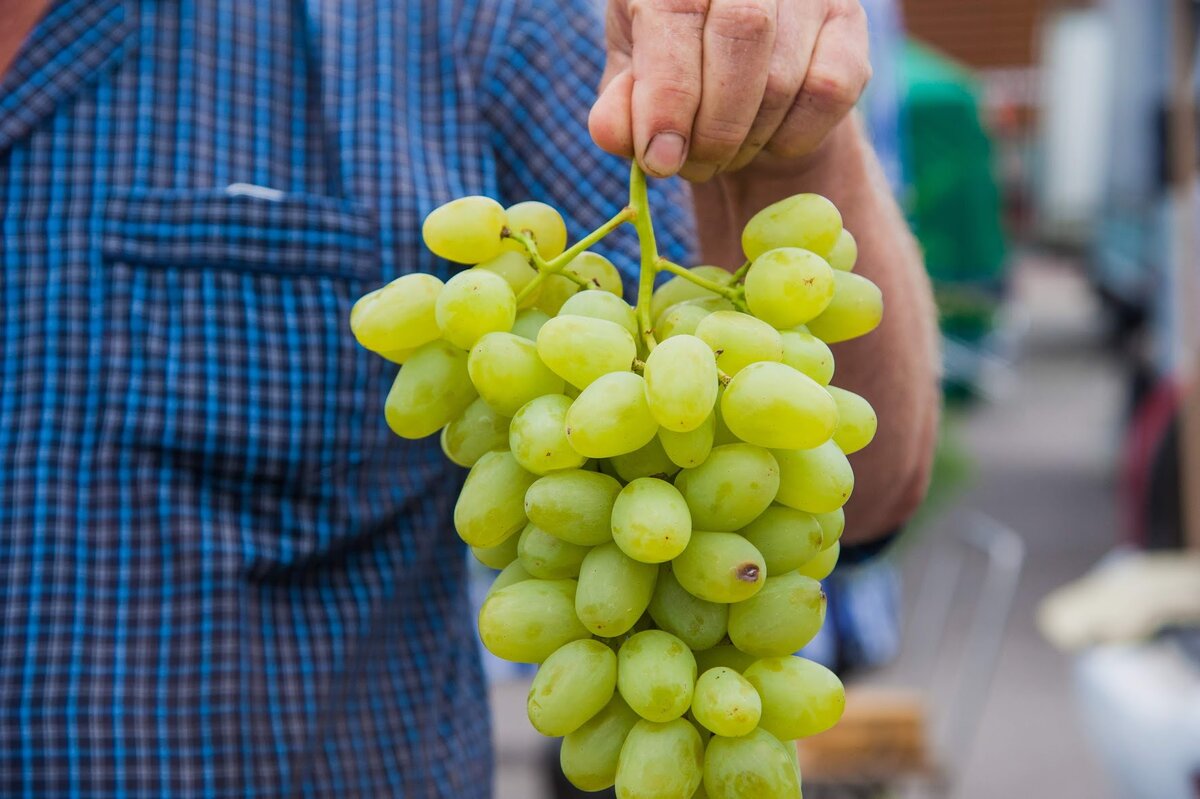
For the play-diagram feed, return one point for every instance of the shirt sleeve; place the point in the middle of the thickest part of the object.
(538, 89)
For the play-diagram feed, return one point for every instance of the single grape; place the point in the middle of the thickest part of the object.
(781, 618)
(681, 383)
(857, 422)
(754, 766)
(650, 520)
(808, 221)
(580, 349)
(614, 590)
(473, 303)
(656, 673)
(491, 505)
(660, 761)
(806, 353)
(817, 480)
(698, 623)
(680, 289)
(649, 461)
(739, 340)
(431, 390)
(731, 488)
(589, 754)
(574, 505)
(856, 310)
(398, 316)
(509, 575)
(726, 655)
(832, 525)
(517, 272)
(602, 305)
(772, 405)
(597, 271)
(556, 289)
(720, 567)
(611, 417)
(547, 557)
(787, 538)
(821, 565)
(681, 319)
(575, 683)
(477, 430)
(466, 230)
(844, 254)
(398, 357)
(507, 372)
(498, 556)
(529, 322)
(542, 222)
(788, 286)
(726, 703)
(799, 697)
(690, 449)
(538, 438)
(527, 621)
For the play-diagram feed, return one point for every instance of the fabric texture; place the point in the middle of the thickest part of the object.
(222, 576)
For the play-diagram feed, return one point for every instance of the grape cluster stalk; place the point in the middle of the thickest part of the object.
(659, 485)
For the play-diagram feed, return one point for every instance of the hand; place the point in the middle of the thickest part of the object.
(701, 87)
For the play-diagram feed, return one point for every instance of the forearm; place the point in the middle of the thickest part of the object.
(895, 367)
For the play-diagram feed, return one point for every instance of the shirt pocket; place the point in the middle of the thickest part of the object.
(227, 347)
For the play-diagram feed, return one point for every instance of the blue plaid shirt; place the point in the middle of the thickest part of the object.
(221, 574)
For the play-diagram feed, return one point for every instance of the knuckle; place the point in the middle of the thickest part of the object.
(779, 93)
(831, 90)
(746, 20)
(721, 134)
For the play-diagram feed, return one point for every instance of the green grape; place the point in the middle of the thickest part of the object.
(477, 430)
(650, 520)
(473, 303)
(808, 221)
(602, 305)
(705, 733)
(538, 437)
(507, 372)
(696, 622)
(498, 556)
(726, 655)
(467, 230)
(821, 565)
(656, 673)
(773, 405)
(556, 289)
(754, 766)
(649, 461)
(547, 557)
(517, 272)
(574, 684)
(781, 618)
(731, 488)
(660, 761)
(589, 754)
(700, 792)
(720, 567)
(788, 286)
(799, 697)
(857, 421)
(726, 703)
(431, 390)
(832, 525)
(680, 289)
(491, 505)
(856, 310)
(680, 319)
(574, 505)
(398, 357)
(597, 271)
(844, 254)
(542, 222)
(644, 622)
(806, 353)
(817, 480)
(529, 322)
(681, 383)
(614, 590)
(611, 416)
(721, 432)
(526, 621)
(398, 316)
(787, 538)
(509, 575)
(580, 349)
(689, 450)
(739, 340)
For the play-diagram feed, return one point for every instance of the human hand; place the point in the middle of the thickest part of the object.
(701, 87)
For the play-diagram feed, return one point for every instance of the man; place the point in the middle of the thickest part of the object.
(222, 575)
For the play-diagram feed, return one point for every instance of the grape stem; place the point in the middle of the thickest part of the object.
(640, 204)
(557, 263)
(730, 293)
(740, 274)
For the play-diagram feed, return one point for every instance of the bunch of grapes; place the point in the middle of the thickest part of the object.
(660, 485)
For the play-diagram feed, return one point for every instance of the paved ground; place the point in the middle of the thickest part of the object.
(1043, 452)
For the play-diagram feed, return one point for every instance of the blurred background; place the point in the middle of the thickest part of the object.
(1033, 632)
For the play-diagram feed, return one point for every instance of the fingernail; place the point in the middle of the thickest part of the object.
(664, 155)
